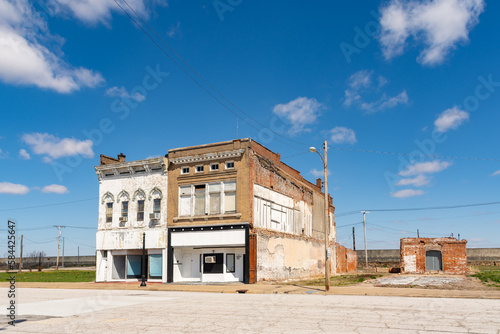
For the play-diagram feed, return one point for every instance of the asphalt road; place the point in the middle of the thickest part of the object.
(118, 311)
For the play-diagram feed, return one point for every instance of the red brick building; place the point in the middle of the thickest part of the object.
(420, 255)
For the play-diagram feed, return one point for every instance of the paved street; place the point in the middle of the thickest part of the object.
(115, 311)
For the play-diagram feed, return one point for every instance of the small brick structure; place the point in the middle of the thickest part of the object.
(420, 255)
(347, 260)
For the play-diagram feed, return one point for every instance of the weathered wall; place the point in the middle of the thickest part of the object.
(205, 155)
(280, 257)
(341, 259)
(413, 254)
(352, 260)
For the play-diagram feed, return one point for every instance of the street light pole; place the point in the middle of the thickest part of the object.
(326, 219)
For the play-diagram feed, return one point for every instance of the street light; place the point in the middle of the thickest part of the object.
(327, 220)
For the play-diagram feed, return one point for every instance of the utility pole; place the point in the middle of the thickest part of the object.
(353, 239)
(236, 128)
(327, 225)
(143, 260)
(58, 240)
(366, 249)
(418, 233)
(63, 255)
(21, 257)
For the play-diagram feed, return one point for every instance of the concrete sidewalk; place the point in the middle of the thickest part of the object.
(362, 289)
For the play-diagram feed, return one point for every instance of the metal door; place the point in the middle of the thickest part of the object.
(433, 260)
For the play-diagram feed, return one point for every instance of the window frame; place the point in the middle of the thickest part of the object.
(185, 172)
(188, 197)
(199, 171)
(109, 212)
(159, 205)
(139, 212)
(124, 213)
(229, 162)
(227, 262)
(214, 169)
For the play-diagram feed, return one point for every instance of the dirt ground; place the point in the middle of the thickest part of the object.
(441, 282)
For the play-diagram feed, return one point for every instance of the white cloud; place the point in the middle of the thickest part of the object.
(340, 135)
(428, 167)
(361, 82)
(386, 102)
(122, 92)
(24, 60)
(55, 188)
(54, 147)
(12, 188)
(95, 11)
(407, 193)
(174, 31)
(24, 155)
(440, 25)
(318, 173)
(299, 112)
(496, 173)
(3, 154)
(417, 181)
(450, 119)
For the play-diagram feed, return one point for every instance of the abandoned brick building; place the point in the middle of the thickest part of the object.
(229, 211)
(420, 255)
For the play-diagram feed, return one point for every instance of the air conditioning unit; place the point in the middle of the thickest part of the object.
(154, 216)
(123, 219)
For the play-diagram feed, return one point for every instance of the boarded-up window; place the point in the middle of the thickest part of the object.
(199, 200)
(185, 201)
(230, 196)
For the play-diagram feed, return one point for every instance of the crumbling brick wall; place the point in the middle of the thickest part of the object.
(352, 260)
(347, 260)
(413, 254)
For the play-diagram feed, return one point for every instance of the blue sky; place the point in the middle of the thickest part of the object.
(79, 79)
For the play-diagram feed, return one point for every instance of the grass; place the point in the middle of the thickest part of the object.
(489, 275)
(51, 276)
(341, 280)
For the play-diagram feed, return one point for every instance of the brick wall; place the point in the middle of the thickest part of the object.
(347, 260)
(352, 260)
(413, 254)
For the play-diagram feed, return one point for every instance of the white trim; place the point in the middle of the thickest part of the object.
(227, 162)
(182, 170)
(199, 171)
(213, 169)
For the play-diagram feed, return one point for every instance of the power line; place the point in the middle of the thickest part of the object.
(46, 205)
(419, 209)
(413, 155)
(199, 84)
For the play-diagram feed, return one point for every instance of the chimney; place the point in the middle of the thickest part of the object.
(318, 183)
(121, 157)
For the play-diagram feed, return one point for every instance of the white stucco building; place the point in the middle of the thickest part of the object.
(132, 202)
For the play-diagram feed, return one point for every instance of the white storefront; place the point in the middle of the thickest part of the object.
(208, 253)
(132, 214)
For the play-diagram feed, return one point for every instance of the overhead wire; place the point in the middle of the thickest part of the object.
(198, 83)
(47, 205)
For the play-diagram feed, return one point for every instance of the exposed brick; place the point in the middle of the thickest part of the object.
(453, 251)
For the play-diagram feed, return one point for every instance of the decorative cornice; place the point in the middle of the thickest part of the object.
(208, 157)
(131, 167)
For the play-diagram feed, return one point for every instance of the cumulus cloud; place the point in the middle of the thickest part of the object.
(24, 154)
(13, 188)
(300, 112)
(438, 25)
(450, 119)
(55, 188)
(122, 92)
(496, 173)
(318, 173)
(98, 11)
(361, 83)
(54, 147)
(407, 193)
(340, 135)
(417, 181)
(27, 59)
(386, 102)
(428, 167)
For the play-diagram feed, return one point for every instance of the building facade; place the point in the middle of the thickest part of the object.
(420, 255)
(238, 213)
(132, 211)
(229, 212)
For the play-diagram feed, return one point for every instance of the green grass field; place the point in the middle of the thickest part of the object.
(51, 276)
(340, 280)
(489, 275)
